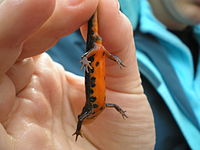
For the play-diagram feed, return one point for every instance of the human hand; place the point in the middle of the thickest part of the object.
(39, 101)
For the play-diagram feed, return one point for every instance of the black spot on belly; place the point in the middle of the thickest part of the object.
(95, 105)
(91, 58)
(93, 79)
(91, 91)
(91, 70)
(101, 108)
(104, 53)
(97, 64)
(92, 99)
(93, 84)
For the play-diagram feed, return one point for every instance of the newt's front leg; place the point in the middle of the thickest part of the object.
(84, 59)
(86, 63)
(114, 58)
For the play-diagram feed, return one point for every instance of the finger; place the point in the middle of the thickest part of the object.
(7, 95)
(76, 92)
(40, 108)
(5, 140)
(36, 99)
(113, 25)
(42, 92)
(20, 73)
(67, 17)
(18, 20)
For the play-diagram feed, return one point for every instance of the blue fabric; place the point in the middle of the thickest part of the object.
(68, 52)
(127, 8)
(187, 112)
(168, 74)
(168, 134)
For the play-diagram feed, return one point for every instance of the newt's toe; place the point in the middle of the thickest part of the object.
(77, 133)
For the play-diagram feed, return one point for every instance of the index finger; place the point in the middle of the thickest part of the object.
(18, 20)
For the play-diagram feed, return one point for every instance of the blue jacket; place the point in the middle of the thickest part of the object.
(183, 102)
(181, 95)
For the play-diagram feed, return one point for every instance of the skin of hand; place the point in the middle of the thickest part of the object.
(177, 14)
(40, 101)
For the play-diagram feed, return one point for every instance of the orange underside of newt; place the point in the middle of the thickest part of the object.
(94, 63)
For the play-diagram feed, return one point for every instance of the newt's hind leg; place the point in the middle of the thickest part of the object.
(81, 118)
(121, 111)
(78, 130)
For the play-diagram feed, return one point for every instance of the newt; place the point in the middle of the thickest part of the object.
(94, 63)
